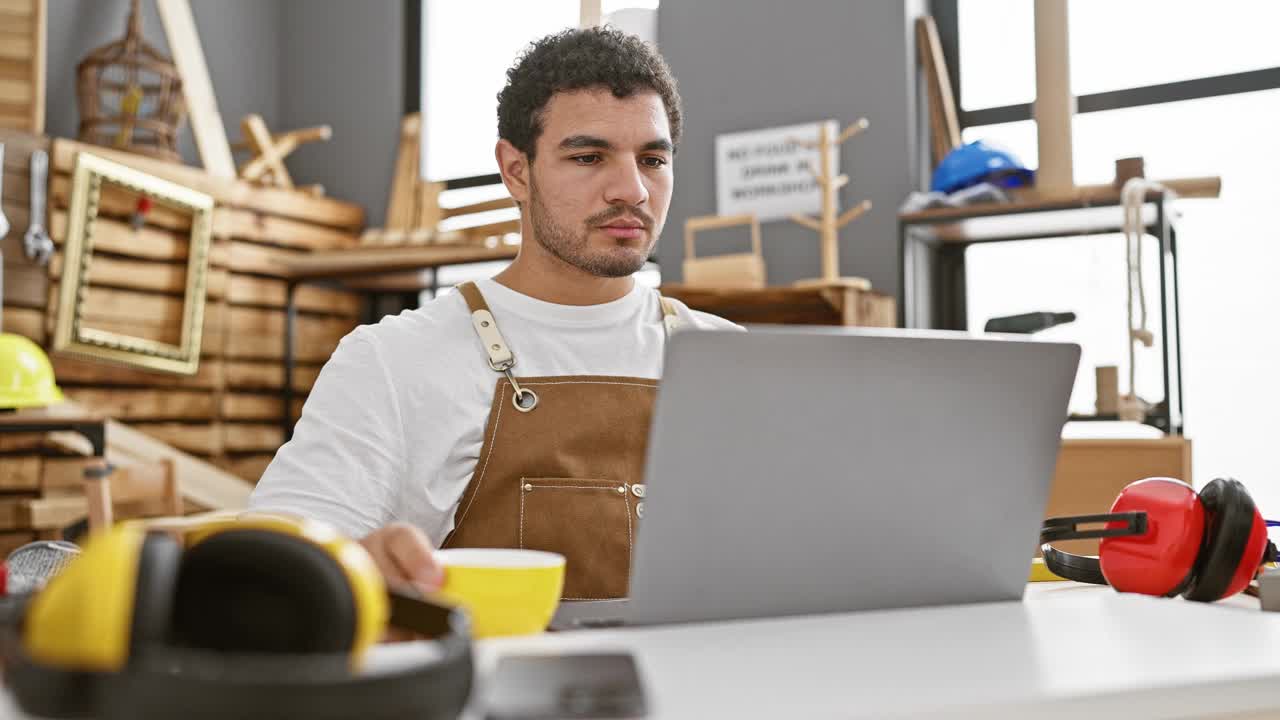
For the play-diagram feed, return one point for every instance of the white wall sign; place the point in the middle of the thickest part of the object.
(766, 171)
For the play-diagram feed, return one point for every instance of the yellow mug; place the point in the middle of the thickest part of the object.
(506, 591)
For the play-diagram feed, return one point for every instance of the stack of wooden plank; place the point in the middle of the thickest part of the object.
(228, 412)
(22, 64)
(42, 490)
(29, 478)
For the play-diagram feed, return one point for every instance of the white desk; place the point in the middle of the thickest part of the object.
(1065, 651)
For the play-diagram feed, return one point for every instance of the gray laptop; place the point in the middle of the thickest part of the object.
(809, 470)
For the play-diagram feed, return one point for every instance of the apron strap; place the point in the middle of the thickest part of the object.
(670, 320)
(500, 357)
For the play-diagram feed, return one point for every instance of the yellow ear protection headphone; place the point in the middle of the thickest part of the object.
(254, 618)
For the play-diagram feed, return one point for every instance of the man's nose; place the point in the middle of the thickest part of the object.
(626, 185)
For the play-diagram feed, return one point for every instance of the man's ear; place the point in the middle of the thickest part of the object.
(514, 166)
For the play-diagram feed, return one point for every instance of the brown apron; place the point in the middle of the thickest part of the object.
(561, 467)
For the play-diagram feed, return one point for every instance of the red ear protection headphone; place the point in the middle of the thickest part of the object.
(1163, 538)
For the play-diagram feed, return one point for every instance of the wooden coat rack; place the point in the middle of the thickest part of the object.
(828, 225)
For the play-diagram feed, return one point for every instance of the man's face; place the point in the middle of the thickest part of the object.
(600, 183)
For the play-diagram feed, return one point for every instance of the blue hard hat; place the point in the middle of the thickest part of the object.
(977, 162)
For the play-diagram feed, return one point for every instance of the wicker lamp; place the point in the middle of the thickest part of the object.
(130, 95)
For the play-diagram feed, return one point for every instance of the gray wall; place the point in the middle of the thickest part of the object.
(741, 64)
(748, 64)
(342, 64)
(241, 41)
(295, 62)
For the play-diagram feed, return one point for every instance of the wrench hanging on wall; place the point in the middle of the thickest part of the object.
(36, 243)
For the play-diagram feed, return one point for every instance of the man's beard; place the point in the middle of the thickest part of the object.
(574, 249)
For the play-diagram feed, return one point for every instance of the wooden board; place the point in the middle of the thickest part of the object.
(251, 375)
(23, 442)
(235, 193)
(13, 512)
(17, 189)
(18, 146)
(243, 406)
(199, 438)
(238, 332)
(63, 510)
(147, 316)
(129, 274)
(74, 371)
(117, 237)
(944, 124)
(197, 88)
(23, 29)
(378, 260)
(25, 322)
(250, 437)
(1055, 106)
(246, 257)
(259, 334)
(20, 472)
(791, 305)
(1091, 473)
(274, 230)
(66, 473)
(202, 483)
(249, 466)
(10, 541)
(149, 310)
(257, 291)
(25, 286)
(146, 404)
(114, 201)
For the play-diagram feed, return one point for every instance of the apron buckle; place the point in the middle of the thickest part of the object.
(524, 399)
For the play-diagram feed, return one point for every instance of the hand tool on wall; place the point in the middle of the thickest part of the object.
(36, 243)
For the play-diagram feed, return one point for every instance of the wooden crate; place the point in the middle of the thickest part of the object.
(1091, 473)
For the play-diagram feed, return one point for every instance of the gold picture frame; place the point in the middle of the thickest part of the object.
(72, 332)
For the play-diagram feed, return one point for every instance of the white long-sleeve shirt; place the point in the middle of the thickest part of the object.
(393, 427)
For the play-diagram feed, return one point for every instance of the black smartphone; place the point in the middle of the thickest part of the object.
(576, 686)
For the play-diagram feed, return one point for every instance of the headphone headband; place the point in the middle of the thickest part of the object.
(427, 680)
(169, 670)
(1067, 528)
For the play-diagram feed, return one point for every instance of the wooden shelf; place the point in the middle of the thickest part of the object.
(1088, 210)
(335, 264)
(791, 305)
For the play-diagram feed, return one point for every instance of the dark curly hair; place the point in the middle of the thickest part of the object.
(577, 59)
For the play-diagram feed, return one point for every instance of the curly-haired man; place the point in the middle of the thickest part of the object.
(515, 412)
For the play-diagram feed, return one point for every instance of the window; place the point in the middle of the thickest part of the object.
(466, 50)
(1195, 90)
(463, 71)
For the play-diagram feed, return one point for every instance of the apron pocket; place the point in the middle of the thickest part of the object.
(589, 522)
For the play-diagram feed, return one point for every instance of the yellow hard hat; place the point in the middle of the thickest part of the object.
(26, 375)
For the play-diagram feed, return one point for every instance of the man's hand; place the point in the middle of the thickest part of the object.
(403, 555)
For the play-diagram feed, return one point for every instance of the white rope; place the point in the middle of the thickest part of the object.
(1132, 197)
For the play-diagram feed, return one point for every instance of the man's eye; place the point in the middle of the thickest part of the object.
(654, 161)
(591, 159)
